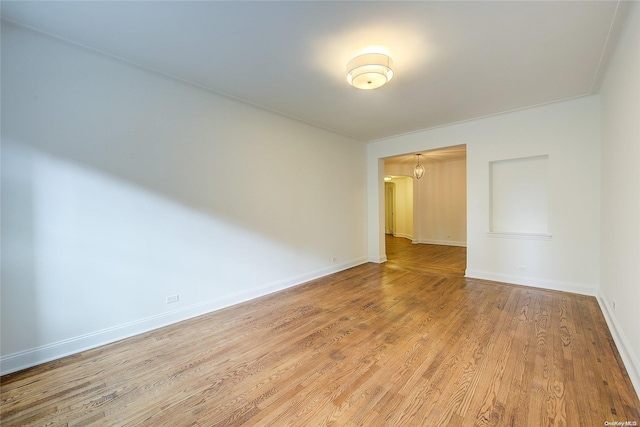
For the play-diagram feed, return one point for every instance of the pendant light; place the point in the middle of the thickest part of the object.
(418, 171)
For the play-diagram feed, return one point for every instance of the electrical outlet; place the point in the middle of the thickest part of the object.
(334, 259)
(613, 305)
(173, 298)
(522, 268)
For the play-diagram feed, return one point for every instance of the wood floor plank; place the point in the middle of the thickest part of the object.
(407, 343)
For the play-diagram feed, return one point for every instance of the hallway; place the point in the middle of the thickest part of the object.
(434, 259)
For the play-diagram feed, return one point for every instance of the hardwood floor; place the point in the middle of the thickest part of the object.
(433, 259)
(405, 343)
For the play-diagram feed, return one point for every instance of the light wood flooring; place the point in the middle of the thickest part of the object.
(407, 343)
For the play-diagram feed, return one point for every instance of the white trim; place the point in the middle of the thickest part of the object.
(518, 235)
(404, 236)
(553, 285)
(32, 357)
(439, 242)
(629, 358)
(378, 260)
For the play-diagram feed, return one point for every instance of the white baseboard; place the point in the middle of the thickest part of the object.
(32, 357)
(629, 358)
(533, 282)
(440, 242)
(404, 236)
(378, 260)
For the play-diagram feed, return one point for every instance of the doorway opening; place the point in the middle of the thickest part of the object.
(427, 218)
(389, 207)
(398, 198)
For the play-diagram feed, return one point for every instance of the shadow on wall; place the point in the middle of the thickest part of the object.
(95, 251)
(257, 169)
(120, 187)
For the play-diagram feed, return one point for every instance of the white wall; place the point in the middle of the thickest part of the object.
(569, 132)
(519, 194)
(121, 187)
(620, 248)
(442, 199)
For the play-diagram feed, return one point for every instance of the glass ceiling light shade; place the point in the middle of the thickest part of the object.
(418, 171)
(369, 71)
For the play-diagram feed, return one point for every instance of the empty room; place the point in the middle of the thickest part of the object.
(320, 213)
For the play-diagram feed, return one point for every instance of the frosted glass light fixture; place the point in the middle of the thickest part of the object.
(418, 171)
(369, 71)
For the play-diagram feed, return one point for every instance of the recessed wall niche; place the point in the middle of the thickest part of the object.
(519, 196)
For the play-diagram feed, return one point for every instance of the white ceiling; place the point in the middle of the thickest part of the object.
(454, 61)
(448, 154)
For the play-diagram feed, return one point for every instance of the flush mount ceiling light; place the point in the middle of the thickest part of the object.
(369, 71)
(418, 171)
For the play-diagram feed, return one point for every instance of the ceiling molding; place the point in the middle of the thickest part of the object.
(453, 61)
